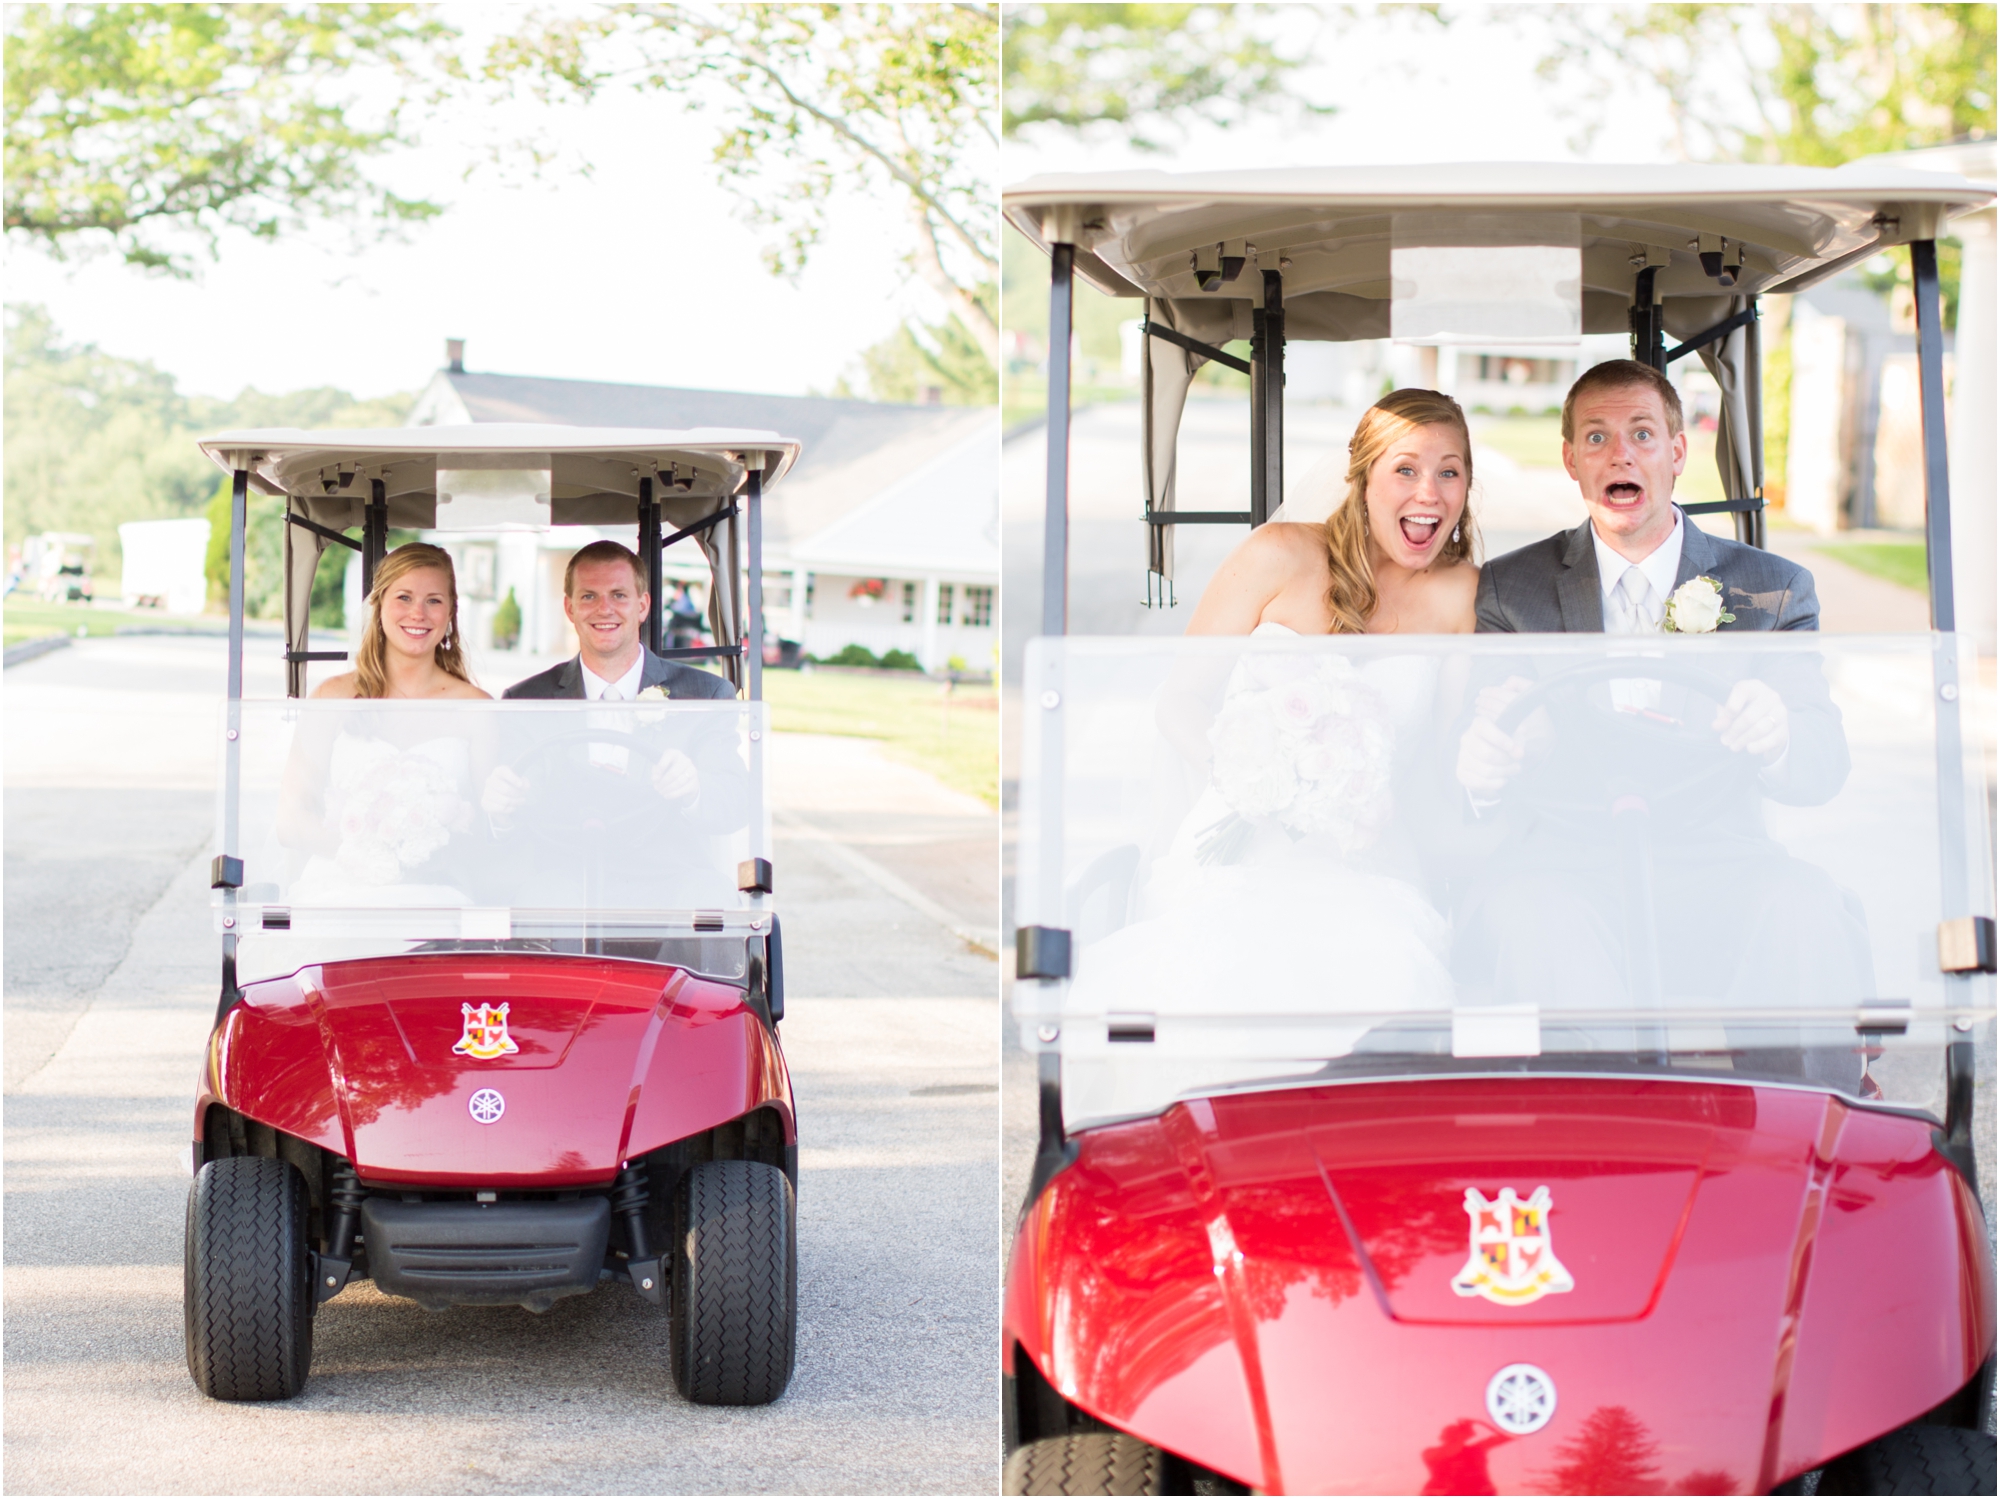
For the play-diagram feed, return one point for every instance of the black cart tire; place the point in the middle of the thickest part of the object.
(248, 1296)
(733, 1311)
(1089, 1462)
(1915, 1460)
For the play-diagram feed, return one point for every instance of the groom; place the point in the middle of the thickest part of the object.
(1557, 915)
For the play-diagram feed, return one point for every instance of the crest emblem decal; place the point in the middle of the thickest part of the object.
(485, 1033)
(1513, 1259)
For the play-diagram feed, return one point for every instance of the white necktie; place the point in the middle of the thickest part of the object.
(1631, 606)
(611, 694)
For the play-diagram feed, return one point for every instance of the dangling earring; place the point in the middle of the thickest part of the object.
(1454, 535)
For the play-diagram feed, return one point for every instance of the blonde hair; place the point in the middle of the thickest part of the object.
(371, 662)
(1351, 599)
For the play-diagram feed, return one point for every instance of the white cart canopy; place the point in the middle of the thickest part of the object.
(1197, 247)
(587, 476)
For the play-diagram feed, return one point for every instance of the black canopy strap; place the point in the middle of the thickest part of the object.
(696, 652)
(324, 531)
(1199, 517)
(1727, 507)
(1722, 329)
(1196, 346)
(701, 525)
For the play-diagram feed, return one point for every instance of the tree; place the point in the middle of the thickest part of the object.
(813, 98)
(1141, 67)
(921, 358)
(1611, 1453)
(133, 126)
(1814, 85)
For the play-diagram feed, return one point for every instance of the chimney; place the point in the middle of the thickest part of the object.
(454, 355)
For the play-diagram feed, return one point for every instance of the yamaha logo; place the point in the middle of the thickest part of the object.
(487, 1105)
(1521, 1399)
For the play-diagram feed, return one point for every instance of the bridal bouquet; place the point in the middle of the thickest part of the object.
(396, 816)
(1306, 743)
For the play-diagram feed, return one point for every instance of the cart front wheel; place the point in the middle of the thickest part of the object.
(1088, 1462)
(1915, 1460)
(733, 1317)
(248, 1297)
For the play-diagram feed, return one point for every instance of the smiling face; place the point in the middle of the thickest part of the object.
(416, 611)
(1416, 495)
(1625, 460)
(607, 606)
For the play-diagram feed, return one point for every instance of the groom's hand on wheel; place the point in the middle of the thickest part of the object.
(1487, 758)
(503, 795)
(1755, 721)
(675, 778)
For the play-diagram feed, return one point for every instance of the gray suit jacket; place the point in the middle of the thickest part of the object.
(1552, 586)
(680, 681)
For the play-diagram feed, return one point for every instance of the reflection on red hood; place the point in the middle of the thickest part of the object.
(1264, 1282)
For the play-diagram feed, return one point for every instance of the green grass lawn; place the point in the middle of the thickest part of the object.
(29, 619)
(955, 736)
(1899, 562)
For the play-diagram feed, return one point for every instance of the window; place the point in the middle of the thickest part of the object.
(909, 603)
(944, 603)
(978, 606)
(809, 595)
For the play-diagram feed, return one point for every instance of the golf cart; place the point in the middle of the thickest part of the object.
(497, 1053)
(1611, 1136)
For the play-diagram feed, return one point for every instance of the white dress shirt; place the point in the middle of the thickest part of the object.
(628, 685)
(1658, 568)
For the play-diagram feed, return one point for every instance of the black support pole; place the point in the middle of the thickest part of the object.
(1055, 520)
(1937, 471)
(1646, 320)
(1752, 523)
(649, 549)
(1274, 394)
(753, 497)
(374, 534)
(1260, 375)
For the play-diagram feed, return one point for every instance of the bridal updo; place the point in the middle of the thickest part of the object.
(371, 665)
(1351, 600)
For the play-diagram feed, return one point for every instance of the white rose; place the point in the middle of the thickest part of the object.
(1695, 607)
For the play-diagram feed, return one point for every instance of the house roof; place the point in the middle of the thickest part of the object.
(852, 452)
(943, 517)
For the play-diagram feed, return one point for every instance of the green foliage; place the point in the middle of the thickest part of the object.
(507, 623)
(94, 440)
(1814, 85)
(129, 125)
(851, 654)
(920, 357)
(812, 98)
(1777, 399)
(901, 661)
(329, 593)
(1141, 67)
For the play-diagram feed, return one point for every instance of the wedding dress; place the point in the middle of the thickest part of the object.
(1290, 894)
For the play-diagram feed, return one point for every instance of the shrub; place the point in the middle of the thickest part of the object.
(853, 654)
(507, 623)
(901, 661)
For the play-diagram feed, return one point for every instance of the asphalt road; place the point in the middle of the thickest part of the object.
(111, 971)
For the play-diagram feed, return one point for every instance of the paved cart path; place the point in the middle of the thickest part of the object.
(111, 978)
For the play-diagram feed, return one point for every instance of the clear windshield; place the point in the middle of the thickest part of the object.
(1285, 858)
(385, 826)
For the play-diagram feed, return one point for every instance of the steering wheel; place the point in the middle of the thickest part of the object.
(635, 797)
(1638, 738)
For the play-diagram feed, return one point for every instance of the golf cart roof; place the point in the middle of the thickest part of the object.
(595, 470)
(1135, 230)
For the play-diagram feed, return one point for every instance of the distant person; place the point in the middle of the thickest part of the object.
(685, 616)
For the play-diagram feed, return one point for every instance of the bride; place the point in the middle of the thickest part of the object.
(1292, 888)
(372, 806)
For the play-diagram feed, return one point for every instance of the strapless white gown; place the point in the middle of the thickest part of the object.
(1271, 900)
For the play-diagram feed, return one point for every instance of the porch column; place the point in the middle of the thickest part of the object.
(929, 654)
(798, 609)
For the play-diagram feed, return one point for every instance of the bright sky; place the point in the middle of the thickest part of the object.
(1407, 91)
(641, 272)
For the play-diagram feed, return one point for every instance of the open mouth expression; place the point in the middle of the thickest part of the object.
(1625, 460)
(1416, 495)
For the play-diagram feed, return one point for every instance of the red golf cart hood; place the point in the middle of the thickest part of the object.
(1311, 1290)
(590, 1062)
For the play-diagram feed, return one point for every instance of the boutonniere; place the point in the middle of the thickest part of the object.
(1695, 608)
(653, 692)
